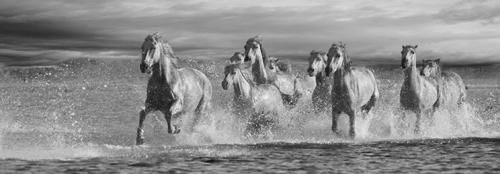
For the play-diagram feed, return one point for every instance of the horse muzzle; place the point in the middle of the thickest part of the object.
(310, 71)
(224, 85)
(142, 66)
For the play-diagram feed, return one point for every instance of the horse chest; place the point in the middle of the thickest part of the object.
(159, 96)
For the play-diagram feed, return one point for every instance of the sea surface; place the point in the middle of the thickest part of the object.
(81, 116)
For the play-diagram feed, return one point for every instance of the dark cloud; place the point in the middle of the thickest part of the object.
(485, 11)
(58, 28)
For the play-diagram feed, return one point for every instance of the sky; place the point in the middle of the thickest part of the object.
(457, 31)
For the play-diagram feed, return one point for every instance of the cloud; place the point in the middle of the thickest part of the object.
(215, 29)
(485, 11)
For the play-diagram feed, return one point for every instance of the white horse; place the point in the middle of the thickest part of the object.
(177, 92)
(354, 89)
(261, 103)
(451, 87)
(418, 94)
(322, 94)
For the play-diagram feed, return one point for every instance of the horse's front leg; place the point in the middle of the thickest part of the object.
(140, 132)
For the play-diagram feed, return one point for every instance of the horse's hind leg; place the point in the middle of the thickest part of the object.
(417, 122)
(352, 120)
(140, 132)
(171, 129)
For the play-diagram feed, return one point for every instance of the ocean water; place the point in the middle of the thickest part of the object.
(81, 115)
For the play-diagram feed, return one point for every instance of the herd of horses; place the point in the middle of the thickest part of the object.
(264, 87)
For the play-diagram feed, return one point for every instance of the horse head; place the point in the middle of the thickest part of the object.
(150, 52)
(431, 68)
(408, 56)
(317, 62)
(237, 58)
(273, 64)
(229, 74)
(254, 51)
(337, 58)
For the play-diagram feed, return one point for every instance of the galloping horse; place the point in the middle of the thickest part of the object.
(262, 102)
(452, 90)
(322, 94)
(255, 53)
(176, 92)
(418, 94)
(354, 89)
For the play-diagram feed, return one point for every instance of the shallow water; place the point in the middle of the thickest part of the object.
(81, 116)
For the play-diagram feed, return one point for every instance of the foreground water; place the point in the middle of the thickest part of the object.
(81, 116)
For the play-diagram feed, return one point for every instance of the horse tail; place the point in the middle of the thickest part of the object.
(205, 102)
(375, 95)
(455, 78)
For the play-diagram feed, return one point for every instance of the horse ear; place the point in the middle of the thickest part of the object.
(438, 60)
(416, 46)
(402, 46)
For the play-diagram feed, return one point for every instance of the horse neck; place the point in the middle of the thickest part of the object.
(169, 70)
(338, 76)
(321, 77)
(259, 69)
(411, 74)
(241, 86)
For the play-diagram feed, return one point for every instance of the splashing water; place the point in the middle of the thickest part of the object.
(86, 109)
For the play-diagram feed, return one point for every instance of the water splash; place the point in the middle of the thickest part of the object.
(93, 111)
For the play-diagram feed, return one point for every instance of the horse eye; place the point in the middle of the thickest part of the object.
(412, 52)
(233, 72)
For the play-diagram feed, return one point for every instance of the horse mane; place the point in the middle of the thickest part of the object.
(165, 50)
(258, 39)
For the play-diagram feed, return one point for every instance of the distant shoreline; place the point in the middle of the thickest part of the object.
(294, 59)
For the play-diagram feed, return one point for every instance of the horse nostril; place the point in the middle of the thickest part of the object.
(310, 70)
